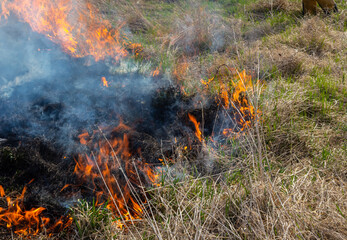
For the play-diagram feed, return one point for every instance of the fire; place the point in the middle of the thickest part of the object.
(233, 95)
(104, 82)
(156, 71)
(239, 99)
(206, 83)
(135, 48)
(26, 222)
(114, 173)
(198, 133)
(75, 25)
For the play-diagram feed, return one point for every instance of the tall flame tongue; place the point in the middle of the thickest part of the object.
(114, 173)
(245, 111)
(73, 24)
(198, 133)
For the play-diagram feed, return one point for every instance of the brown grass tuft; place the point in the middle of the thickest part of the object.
(317, 38)
(266, 6)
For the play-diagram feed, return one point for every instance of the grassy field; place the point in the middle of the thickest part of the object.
(288, 179)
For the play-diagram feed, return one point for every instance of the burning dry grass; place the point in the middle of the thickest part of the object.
(177, 29)
(288, 180)
(89, 36)
(236, 204)
(244, 203)
(301, 193)
(26, 223)
(285, 177)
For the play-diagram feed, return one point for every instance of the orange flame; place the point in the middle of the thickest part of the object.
(206, 83)
(198, 133)
(233, 95)
(109, 159)
(156, 72)
(240, 101)
(104, 82)
(75, 25)
(25, 222)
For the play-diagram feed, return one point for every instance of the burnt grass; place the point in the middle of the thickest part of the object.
(24, 157)
(39, 112)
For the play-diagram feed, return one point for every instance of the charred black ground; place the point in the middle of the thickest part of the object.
(24, 157)
(48, 98)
